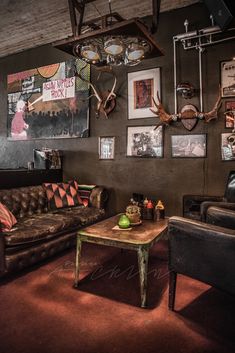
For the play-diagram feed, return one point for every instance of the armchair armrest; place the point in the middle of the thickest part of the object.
(202, 251)
(205, 206)
(99, 197)
(221, 217)
(192, 203)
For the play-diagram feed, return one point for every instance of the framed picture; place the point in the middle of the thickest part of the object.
(229, 114)
(142, 86)
(106, 147)
(227, 71)
(189, 146)
(144, 141)
(49, 102)
(228, 146)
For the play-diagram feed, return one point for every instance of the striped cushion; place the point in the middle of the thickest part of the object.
(62, 194)
(84, 192)
(7, 219)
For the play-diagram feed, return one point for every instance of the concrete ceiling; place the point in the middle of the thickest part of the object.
(26, 24)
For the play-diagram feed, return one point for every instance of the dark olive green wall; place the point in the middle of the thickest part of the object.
(167, 178)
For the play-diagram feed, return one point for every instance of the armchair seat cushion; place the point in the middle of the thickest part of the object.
(45, 226)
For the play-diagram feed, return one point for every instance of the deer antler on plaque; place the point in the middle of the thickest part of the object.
(106, 100)
(189, 114)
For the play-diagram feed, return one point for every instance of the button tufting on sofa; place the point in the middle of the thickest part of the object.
(40, 232)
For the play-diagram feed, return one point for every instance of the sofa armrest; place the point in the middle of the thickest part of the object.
(221, 217)
(192, 203)
(205, 206)
(98, 197)
(2, 253)
(202, 251)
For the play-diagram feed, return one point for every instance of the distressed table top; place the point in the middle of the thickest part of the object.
(140, 234)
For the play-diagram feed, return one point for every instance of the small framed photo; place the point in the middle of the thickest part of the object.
(144, 141)
(188, 146)
(229, 114)
(228, 146)
(227, 72)
(106, 147)
(142, 86)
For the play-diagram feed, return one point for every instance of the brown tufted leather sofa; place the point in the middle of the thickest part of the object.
(41, 233)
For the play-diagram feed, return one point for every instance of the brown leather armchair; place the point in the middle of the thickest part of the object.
(196, 206)
(203, 251)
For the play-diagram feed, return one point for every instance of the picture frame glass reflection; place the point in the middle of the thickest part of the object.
(106, 147)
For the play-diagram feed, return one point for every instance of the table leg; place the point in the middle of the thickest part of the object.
(143, 254)
(77, 264)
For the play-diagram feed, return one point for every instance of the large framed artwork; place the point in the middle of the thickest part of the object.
(186, 146)
(142, 86)
(144, 141)
(227, 72)
(49, 102)
(228, 146)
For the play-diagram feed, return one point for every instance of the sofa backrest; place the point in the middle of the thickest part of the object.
(25, 201)
(230, 187)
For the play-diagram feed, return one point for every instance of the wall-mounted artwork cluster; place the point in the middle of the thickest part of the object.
(48, 102)
(227, 71)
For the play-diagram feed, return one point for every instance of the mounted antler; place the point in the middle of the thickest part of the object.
(106, 101)
(188, 112)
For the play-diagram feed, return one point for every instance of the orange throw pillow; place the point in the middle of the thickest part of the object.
(7, 219)
(62, 194)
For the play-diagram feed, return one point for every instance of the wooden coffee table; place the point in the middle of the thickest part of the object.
(139, 238)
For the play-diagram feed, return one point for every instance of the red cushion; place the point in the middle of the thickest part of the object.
(7, 219)
(62, 194)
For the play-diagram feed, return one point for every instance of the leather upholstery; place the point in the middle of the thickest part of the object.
(202, 251)
(221, 217)
(48, 225)
(195, 206)
(205, 206)
(25, 201)
(39, 232)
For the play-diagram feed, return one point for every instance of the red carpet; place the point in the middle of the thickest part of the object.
(42, 312)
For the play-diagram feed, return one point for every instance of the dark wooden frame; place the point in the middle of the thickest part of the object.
(145, 156)
(200, 134)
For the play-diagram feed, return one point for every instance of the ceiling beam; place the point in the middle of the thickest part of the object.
(156, 4)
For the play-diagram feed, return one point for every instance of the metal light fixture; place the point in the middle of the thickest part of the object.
(116, 50)
(90, 53)
(109, 39)
(114, 46)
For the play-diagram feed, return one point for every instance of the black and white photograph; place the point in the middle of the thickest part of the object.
(144, 141)
(227, 71)
(188, 146)
(228, 146)
(106, 147)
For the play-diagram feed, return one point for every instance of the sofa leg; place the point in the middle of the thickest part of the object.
(172, 289)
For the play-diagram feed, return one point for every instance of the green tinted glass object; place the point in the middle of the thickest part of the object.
(124, 221)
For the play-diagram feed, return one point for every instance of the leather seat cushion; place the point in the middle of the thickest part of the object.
(47, 225)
